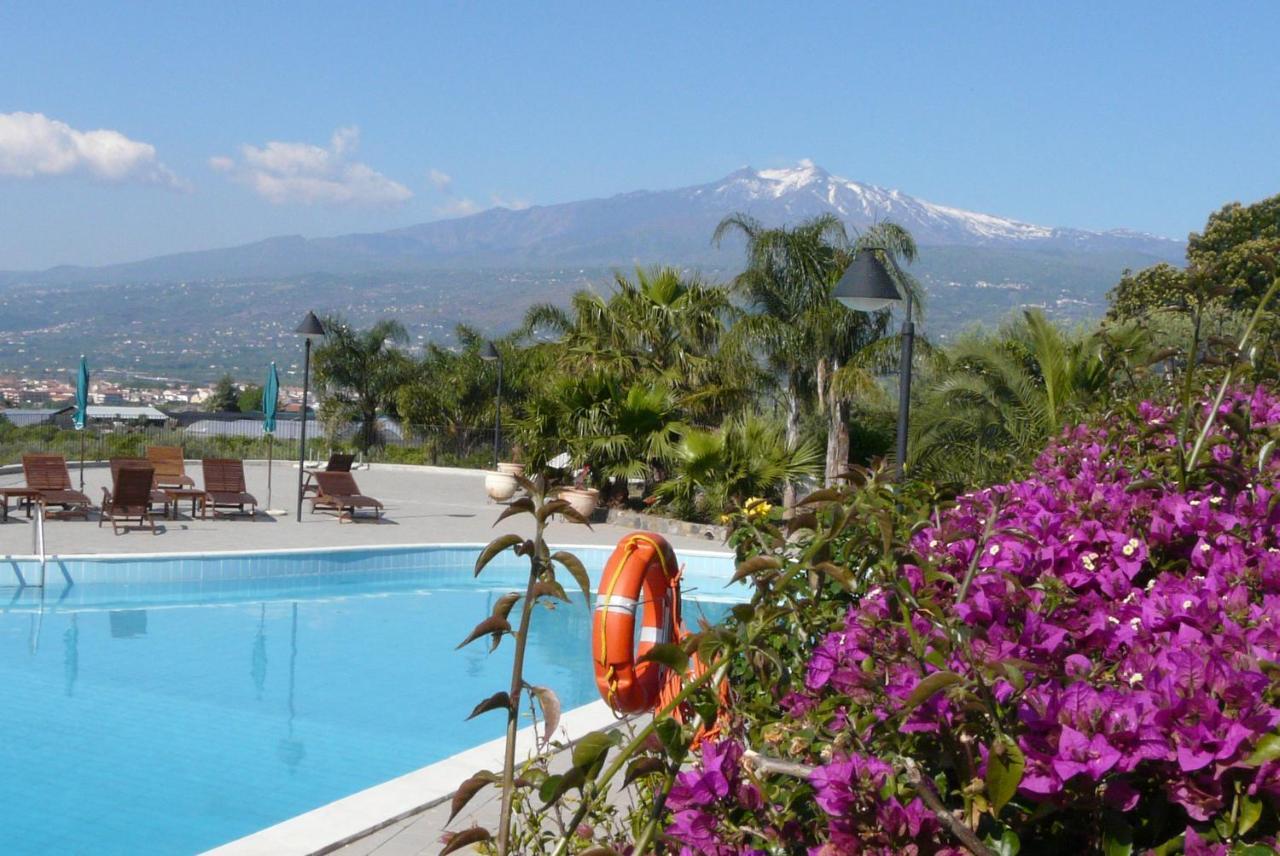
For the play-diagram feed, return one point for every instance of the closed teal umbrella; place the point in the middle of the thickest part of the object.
(270, 402)
(82, 409)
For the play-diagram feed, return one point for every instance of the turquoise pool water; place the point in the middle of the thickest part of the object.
(170, 717)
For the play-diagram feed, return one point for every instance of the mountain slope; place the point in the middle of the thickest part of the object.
(672, 226)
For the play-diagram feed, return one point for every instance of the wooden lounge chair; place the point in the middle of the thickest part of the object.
(48, 476)
(171, 470)
(224, 485)
(130, 497)
(339, 492)
(339, 462)
(157, 495)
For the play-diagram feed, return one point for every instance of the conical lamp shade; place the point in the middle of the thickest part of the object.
(866, 286)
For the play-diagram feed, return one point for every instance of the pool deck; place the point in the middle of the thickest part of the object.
(423, 505)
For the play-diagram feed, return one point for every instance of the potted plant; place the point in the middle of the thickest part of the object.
(583, 498)
(514, 467)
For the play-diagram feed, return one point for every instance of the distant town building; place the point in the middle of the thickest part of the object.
(24, 417)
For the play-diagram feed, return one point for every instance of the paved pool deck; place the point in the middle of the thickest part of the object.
(423, 505)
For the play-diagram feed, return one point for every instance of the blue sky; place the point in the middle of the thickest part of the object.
(1094, 115)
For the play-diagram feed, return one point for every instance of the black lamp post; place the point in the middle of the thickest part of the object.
(490, 354)
(309, 329)
(866, 286)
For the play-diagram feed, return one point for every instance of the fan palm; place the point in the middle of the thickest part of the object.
(359, 372)
(995, 401)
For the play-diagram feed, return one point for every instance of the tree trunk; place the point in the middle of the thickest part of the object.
(837, 440)
(793, 440)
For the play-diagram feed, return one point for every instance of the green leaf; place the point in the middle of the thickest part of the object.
(591, 749)
(469, 789)
(496, 546)
(643, 767)
(1008, 844)
(931, 684)
(523, 505)
(553, 787)
(497, 701)
(465, 838)
(755, 565)
(1117, 835)
(822, 495)
(743, 612)
(668, 654)
(1250, 813)
(1005, 764)
(1267, 749)
(578, 571)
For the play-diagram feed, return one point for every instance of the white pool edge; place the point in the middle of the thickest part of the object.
(285, 551)
(343, 821)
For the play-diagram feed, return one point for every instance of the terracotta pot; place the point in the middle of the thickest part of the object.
(511, 469)
(583, 500)
(500, 486)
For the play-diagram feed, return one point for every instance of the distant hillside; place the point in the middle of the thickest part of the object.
(199, 314)
(672, 226)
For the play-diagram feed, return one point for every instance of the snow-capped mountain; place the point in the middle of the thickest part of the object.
(669, 226)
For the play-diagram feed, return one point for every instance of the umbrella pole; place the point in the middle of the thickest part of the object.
(270, 449)
(82, 460)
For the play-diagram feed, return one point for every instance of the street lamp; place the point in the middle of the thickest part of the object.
(309, 329)
(866, 286)
(490, 354)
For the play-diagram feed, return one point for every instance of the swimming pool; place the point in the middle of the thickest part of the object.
(171, 705)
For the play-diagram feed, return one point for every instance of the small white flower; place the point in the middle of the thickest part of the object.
(1193, 503)
(1135, 623)
(875, 592)
(933, 543)
(1206, 547)
(995, 550)
(1187, 604)
(1135, 678)
(1150, 585)
(1198, 578)
(1111, 619)
(1215, 500)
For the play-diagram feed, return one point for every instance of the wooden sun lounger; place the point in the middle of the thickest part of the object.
(158, 496)
(130, 497)
(48, 476)
(339, 492)
(224, 485)
(339, 462)
(171, 470)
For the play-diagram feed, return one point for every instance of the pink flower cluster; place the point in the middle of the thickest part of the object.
(1129, 625)
(1122, 631)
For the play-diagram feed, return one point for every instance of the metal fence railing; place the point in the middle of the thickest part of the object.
(467, 448)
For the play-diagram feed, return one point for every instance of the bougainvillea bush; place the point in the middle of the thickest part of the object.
(1084, 661)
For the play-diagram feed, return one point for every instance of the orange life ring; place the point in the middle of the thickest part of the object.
(642, 574)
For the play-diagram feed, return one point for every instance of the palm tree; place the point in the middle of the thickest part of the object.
(816, 347)
(358, 373)
(995, 401)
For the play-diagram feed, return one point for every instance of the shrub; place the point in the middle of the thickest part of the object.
(1083, 661)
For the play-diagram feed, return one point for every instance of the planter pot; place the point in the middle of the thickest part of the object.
(500, 486)
(511, 469)
(583, 500)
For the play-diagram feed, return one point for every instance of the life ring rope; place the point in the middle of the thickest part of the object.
(642, 580)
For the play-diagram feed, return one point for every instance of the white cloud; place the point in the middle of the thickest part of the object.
(441, 181)
(302, 173)
(457, 206)
(514, 203)
(32, 144)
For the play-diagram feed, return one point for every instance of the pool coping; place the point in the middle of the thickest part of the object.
(284, 551)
